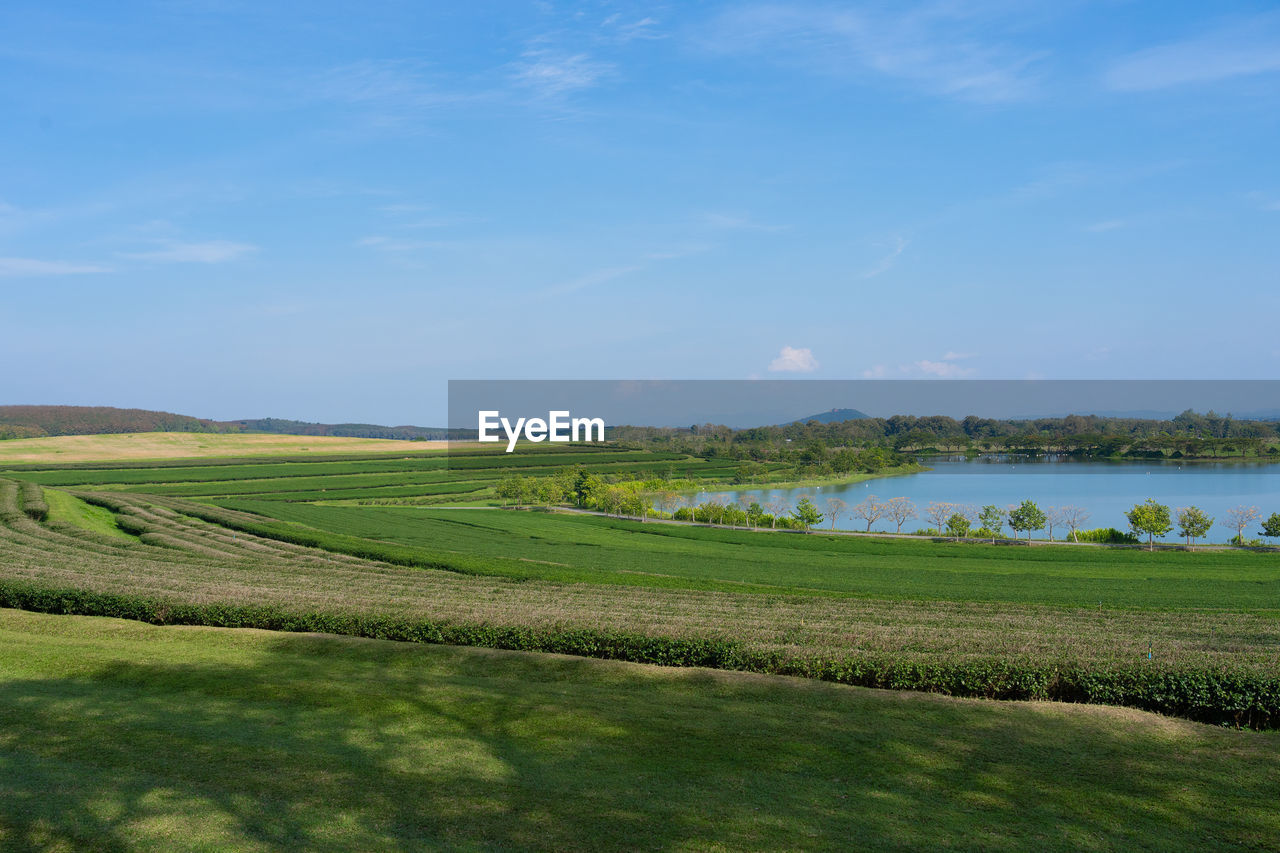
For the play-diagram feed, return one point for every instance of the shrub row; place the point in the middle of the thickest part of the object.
(1221, 697)
(32, 499)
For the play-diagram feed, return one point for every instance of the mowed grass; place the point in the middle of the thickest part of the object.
(68, 509)
(118, 735)
(180, 445)
(578, 548)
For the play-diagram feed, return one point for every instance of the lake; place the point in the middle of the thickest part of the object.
(1106, 489)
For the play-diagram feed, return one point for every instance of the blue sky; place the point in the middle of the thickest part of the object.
(325, 211)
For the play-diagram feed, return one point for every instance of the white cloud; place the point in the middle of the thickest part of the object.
(943, 369)
(552, 75)
(15, 267)
(1242, 48)
(209, 252)
(794, 360)
(1107, 225)
(942, 48)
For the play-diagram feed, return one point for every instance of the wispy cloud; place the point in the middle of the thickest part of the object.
(591, 279)
(621, 29)
(794, 360)
(738, 222)
(942, 48)
(392, 244)
(549, 74)
(1107, 225)
(20, 267)
(208, 252)
(1240, 48)
(886, 263)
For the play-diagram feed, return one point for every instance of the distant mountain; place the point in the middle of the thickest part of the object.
(37, 421)
(288, 427)
(834, 416)
(40, 421)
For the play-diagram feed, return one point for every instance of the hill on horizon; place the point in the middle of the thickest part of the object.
(42, 421)
(834, 416)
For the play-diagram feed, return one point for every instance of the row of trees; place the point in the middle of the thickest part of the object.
(643, 498)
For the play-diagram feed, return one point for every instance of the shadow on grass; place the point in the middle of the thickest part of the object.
(328, 743)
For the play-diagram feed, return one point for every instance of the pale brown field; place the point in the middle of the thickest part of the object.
(193, 445)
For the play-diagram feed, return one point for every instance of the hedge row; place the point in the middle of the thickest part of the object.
(1219, 697)
(32, 499)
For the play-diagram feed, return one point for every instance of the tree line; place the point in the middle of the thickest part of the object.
(659, 497)
(1189, 435)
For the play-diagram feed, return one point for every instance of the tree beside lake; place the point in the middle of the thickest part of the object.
(1151, 518)
(1026, 516)
(1193, 523)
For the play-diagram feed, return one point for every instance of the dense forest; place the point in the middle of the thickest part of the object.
(1189, 435)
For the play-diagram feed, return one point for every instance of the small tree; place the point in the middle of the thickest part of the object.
(1241, 517)
(1271, 527)
(1073, 517)
(1027, 516)
(806, 513)
(509, 488)
(1150, 518)
(1193, 523)
(777, 506)
(992, 518)
(899, 509)
(835, 509)
(1054, 516)
(870, 511)
(938, 512)
(958, 526)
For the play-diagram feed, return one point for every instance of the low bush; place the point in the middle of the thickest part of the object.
(1106, 536)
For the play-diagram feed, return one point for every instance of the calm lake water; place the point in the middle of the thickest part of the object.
(1106, 489)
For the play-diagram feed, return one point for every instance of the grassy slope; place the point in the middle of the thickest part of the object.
(69, 509)
(601, 550)
(177, 445)
(208, 738)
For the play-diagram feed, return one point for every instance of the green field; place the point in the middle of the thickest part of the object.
(203, 738)
(233, 542)
(608, 550)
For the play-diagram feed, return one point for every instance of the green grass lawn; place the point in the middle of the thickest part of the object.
(118, 735)
(69, 509)
(571, 548)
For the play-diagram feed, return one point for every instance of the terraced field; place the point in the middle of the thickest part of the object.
(234, 542)
(581, 754)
